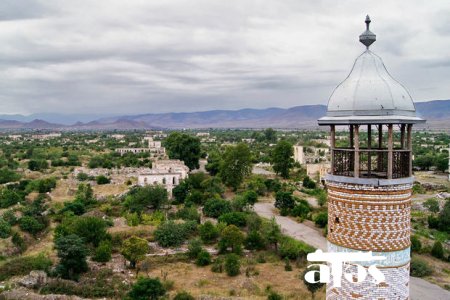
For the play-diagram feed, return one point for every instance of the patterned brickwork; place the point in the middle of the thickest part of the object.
(396, 286)
(369, 218)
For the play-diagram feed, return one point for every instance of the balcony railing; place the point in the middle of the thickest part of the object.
(373, 163)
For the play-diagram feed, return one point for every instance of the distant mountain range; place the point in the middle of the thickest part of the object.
(303, 117)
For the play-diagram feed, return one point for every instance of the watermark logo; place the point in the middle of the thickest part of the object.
(338, 263)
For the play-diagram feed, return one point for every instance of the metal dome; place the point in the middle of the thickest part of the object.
(370, 94)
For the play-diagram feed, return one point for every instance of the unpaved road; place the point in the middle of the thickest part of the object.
(419, 288)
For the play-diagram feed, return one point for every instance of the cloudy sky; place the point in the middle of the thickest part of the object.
(142, 56)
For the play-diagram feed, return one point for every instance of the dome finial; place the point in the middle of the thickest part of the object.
(367, 37)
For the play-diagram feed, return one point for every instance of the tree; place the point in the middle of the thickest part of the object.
(231, 237)
(272, 233)
(282, 158)
(170, 234)
(91, 229)
(103, 252)
(180, 192)
(441, 162)
(437, 250)
(444, 217)
(284, 201)
(232, 265)
(134, 250)
(314, 286)
(270, 135)
(432, 205)
(150, 196)
(184, 147)
(85, 194)
(214, 162)
(147, 289)
(214, 208)
(208, 232)
(254, 241)
(236, 165)
(72, 256)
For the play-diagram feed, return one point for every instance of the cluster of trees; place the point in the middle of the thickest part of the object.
(184, 147)
(116, 160)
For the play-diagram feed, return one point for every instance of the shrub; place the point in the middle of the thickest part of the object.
(5, 229)
(301, 210)
(77, 207)
(287, 265)
(19, 242)
(234, 218)
(284, 200)
(102, 179)
(309, 183)
(10, 217)
(147, 288)
(274, 296)
(433, 222)
(214, 208)
(416, 245)
(154, 219)
(444, 218)
(183, 296)
(251, 197)
(254, 241)
(31, 225)
(194, 248)
(189, 213)
(82, 176)
(208, 232)
(321, 219)
(203, 258)
(420, 268)
(293, 249)
(170, 234)
(217, 266)
(132, 219)
(312, 287)
(437, 250)
(195, 197)
(103, 252)
(232, 265)
(24, 265)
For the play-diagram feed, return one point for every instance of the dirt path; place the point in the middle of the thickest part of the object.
(419, 288)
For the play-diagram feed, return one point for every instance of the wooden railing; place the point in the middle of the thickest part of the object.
(373, 163)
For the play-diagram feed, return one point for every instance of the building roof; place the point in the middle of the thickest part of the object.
(370, 94)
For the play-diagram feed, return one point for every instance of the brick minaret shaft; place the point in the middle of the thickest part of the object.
(370, 182)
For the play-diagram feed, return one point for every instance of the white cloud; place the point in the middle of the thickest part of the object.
(138, 56)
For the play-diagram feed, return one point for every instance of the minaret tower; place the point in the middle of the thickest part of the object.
(370, 183)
